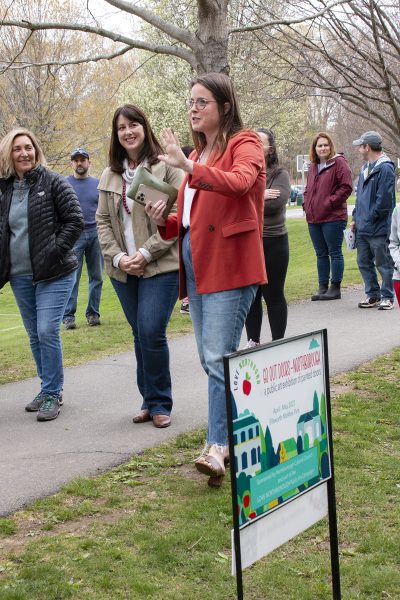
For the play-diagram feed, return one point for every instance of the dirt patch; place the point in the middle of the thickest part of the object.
(33, 528)
(338, 389)
(190, 472)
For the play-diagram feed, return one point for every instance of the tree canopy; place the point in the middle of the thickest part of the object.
(298, 66)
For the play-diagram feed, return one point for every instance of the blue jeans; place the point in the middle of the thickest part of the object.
(327, 239)
(42, 307)
(88, 246)
(373, 253)
(147, 304)
(218, 320)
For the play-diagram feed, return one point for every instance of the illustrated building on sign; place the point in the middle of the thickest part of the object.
(309, 424)
(288, 448)
(247, 441)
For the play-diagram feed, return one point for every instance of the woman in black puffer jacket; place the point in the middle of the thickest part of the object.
(40, 220)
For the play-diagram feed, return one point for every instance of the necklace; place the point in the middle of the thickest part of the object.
(124, 202)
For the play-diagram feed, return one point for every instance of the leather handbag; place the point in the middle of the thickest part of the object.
(145, 177)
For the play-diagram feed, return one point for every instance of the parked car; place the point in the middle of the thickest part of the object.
(297, 194)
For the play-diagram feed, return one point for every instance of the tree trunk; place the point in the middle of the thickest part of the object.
(212, 50)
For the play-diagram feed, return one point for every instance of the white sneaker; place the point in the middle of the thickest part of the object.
(385, 304)
(369, 303)
(251, 344)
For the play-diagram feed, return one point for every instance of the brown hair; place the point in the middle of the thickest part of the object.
(313, 154)
(6, 146)
(151, 146)
(222, 91)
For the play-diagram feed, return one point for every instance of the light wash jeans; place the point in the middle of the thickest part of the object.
(42, 307)
(88, 246)
(218, 320)
(372, 254)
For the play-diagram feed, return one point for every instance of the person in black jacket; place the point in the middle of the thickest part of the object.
(40, 220)
(276, 248)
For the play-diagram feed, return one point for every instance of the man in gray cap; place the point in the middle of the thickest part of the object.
(371, 221)
(87, 245)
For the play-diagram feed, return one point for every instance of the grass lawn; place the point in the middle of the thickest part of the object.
(113, 336)
(350, 201)
(153, 529)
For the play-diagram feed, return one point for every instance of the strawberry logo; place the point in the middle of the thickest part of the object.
(247, 385)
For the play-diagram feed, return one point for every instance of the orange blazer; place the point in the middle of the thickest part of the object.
(226, 218)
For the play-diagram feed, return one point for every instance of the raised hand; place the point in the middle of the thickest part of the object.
(173, 154)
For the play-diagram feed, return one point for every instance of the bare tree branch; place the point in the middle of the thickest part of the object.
(351, 56)
(171, 49)
(274, 23)
(15, 65)
(181, 35)
(19, 53)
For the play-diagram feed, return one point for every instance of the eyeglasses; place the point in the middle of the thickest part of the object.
(199, 103)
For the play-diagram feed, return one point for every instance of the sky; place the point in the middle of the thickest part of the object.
(109, 16)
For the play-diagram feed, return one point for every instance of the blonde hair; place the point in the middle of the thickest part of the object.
(6, 146)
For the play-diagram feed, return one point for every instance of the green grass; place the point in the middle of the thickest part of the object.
(153, 529)
(80, 345)
(114, 336)
(7, 527)
(302, 278)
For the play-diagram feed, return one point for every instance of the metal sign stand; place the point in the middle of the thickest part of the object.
(236, 530)
(333, 533)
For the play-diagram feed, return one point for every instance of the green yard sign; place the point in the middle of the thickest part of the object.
(280, 445)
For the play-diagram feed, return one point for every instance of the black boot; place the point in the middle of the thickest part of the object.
(322, 289)
(333, 293)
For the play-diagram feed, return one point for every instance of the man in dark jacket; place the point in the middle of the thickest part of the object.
(371, 221)
(87, 246)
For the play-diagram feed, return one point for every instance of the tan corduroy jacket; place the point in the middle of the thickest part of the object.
(164, 253)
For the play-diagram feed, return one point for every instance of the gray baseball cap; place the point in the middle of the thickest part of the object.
(373, 138)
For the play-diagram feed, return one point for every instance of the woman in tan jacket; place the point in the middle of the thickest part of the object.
(143, 267)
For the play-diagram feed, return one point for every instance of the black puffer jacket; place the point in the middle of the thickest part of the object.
(55, 222)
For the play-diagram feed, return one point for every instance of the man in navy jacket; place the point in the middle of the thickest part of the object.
(371, 221)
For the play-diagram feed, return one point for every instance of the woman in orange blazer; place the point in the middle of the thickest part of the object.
(219, 224)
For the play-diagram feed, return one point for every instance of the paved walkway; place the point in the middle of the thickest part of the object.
(95, 431)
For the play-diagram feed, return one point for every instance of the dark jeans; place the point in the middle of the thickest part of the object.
(327, 239)
(372, 254)
(276, 252)
(88, 246)
(147, 304)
